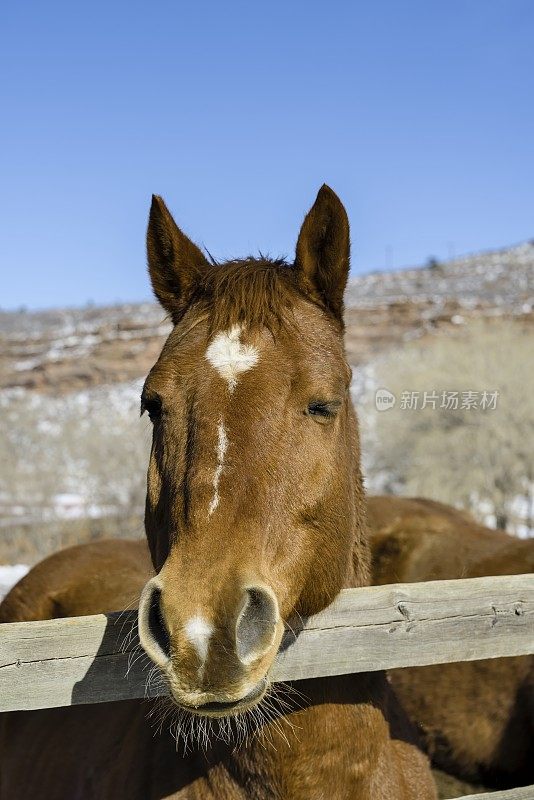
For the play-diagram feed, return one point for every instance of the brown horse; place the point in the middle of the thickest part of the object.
(477, 717)
(255, 517)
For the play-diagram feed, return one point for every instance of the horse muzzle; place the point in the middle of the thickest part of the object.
(215, 664)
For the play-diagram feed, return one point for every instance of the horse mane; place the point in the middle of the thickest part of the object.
(258, 291)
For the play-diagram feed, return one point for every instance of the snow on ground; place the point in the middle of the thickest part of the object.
(9, 575)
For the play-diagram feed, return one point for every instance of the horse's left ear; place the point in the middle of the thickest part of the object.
(323, 250)
(175, 263)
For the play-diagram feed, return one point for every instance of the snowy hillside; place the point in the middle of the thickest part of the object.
(498, 279)
(70, 349)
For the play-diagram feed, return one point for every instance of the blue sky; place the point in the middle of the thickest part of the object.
(420, 114)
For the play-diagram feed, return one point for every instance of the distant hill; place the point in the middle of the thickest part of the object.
(66, 350)
(493, 279)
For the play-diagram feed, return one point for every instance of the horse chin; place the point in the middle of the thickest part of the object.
(226, 708)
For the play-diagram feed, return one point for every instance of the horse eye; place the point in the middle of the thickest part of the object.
(152, 406)
(323, 411)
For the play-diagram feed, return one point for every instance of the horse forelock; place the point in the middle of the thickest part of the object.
(253, 292)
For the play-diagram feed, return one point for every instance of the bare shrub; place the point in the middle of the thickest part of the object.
(474, 457)
(80, 455)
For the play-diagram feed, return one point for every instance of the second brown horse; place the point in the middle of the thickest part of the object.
(476, 717)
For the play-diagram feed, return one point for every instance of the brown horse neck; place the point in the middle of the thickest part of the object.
(343, 726)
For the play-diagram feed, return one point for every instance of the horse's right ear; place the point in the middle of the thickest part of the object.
(174, 262)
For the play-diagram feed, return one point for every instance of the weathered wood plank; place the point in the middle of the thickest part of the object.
(79, 660)
(522, 793)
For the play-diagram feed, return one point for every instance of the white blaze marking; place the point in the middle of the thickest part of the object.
(230, 357)
(199, 631)
(222, 445)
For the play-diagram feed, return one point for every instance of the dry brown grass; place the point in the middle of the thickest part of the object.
(31, 542)
(475, 458)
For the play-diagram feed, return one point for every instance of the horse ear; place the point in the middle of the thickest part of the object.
(323, 250)
(174, 262)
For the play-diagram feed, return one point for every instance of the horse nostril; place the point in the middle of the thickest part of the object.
(256, 624)
(153, 631)
(156, 623)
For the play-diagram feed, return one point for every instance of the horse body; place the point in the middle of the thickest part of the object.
(255, 517)
(477, 717)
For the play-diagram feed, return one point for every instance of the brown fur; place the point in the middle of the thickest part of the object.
(477, 717)
(290, 528)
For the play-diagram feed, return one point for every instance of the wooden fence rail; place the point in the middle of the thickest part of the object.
(522, 793)
(86, 659)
